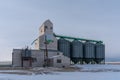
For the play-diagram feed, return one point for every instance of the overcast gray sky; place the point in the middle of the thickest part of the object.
(91, 19)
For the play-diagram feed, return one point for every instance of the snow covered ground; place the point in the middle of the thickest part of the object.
(86, 72)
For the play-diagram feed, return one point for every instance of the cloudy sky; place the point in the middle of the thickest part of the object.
(91, 19)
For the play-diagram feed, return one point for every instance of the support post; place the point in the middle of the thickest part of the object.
(46, 53)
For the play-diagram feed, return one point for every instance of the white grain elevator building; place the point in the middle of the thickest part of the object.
(37, 57)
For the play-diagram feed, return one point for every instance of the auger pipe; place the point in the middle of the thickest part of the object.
(67, 37)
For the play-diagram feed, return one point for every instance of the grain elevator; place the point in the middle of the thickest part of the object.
(53, 50)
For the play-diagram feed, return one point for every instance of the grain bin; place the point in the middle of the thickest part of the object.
(64, 46)
(99, 52)
(76, 51)
(89, 52)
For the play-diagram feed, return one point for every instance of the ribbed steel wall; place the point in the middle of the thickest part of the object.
(76, 51)
(89, 52)
(79, 52)
(64, 46)
(100, 52)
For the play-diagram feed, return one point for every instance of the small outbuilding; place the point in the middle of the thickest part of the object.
(59, 61)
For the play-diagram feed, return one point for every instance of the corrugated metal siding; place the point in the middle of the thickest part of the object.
(100, 50)
(64, 46)
(89, 50)
(77, 49)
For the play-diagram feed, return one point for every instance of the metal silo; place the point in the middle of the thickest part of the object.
(99, 52)
(89, 52)
(76, 51)
(64, 46)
